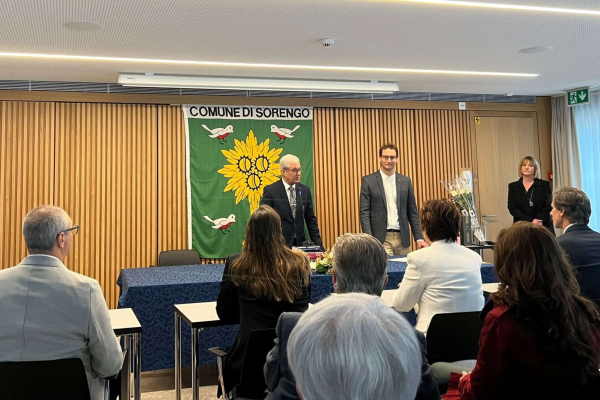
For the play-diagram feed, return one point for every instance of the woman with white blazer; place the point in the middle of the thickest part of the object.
(442, 278)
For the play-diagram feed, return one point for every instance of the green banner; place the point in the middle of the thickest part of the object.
(233, 152)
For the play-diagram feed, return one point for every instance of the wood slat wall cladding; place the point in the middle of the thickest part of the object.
(26, 170)
(106, 179)
(119, 171)
(433, 145)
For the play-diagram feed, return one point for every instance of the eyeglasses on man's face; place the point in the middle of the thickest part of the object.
(74, 229)
(295, 170)
(391, 158)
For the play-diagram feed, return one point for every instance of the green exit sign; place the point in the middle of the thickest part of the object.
(579, 96)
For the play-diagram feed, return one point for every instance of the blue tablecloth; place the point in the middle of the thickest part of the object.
(152, 292)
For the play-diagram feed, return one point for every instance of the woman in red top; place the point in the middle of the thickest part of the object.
(540, 338)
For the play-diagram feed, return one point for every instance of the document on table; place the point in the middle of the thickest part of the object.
(398, 259)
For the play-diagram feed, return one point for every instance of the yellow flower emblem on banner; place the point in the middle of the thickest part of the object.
(251, 167)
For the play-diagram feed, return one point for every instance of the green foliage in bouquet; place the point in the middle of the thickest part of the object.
(324, 264)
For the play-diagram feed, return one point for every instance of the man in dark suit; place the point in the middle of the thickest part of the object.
(359, 266)
(387, 205)
(571, 210)
(293, 202)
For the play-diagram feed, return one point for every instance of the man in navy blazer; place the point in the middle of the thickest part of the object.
(293, 202)
(571, 210)
(359, 266)
(388, 206)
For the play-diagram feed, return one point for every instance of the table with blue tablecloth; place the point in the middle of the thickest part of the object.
(152, 292)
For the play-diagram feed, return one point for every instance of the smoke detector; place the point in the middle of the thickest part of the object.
(328, 42)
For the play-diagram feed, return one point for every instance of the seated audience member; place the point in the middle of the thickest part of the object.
(48, 312)
(540, 337)
(571, 210)
(444, 277)
(354, 347)
(267, 279)
(359, 266)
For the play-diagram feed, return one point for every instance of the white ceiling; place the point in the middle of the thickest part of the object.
(368, 34)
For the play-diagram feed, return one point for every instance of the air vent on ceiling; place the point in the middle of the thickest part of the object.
(115, 88)
(70, 86)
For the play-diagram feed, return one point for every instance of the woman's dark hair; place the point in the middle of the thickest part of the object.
(267, 267)
(537, 279)
(441, 220)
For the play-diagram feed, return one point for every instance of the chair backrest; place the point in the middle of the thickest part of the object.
(252, 379)
(453, 337)
(178, 257)
(49, 380)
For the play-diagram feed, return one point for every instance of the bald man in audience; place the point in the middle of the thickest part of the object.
(359, 266)
(353, 346)
(48, 312)
(571, 210)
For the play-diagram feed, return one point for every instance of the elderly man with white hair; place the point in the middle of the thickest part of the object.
(48, 312)
(359, 266)
(354, 347)
(293, 202)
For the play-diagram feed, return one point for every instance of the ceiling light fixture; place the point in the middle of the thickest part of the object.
(263, 65)
(82, 25)
(505, 6)
(209, 82)
(537, 49)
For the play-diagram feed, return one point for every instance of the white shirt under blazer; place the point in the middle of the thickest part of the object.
(48, 312)
(442, 278)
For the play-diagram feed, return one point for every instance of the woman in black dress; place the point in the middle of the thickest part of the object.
(530, 198)
(267, 279)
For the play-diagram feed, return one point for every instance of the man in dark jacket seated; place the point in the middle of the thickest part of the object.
(359, 266)
(571, 210)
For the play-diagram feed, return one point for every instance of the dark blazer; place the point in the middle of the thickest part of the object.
(373, 209)
(275, 196)
(518, 202)
(236, 304)
(282, 384)
(582, 245)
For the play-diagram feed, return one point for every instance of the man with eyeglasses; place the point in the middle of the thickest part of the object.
(388, 206)
(293, 202)
(48, 312)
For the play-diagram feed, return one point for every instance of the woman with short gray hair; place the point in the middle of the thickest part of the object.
(354, 347)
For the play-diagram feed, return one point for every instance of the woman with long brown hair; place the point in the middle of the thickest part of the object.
(266, 280)
(540, 338)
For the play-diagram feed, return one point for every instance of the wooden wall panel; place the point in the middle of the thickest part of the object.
(106, 179)
(172, 198)
(443, 150)
(433, 145)
(26, 170)
(119, 171)
(325, 167)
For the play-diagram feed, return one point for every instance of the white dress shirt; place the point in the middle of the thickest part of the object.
(565, 230)
(391, 198)
(442, 278)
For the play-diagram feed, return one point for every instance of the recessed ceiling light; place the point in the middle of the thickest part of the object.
(505, 6)
(82, 26)
(263, 65)
(537, 49)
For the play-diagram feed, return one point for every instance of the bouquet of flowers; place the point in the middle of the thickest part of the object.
(323, 264)
(462, 196)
